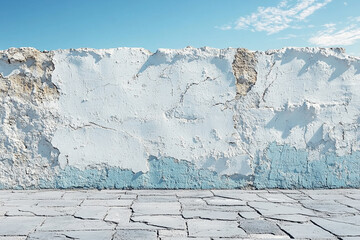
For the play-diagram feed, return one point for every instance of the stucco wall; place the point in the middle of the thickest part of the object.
(189, 118)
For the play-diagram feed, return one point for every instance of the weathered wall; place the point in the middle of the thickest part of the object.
(189, 118)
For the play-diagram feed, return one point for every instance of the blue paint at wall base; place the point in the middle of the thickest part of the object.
(287, 167)
(164, 173)
(282, 167)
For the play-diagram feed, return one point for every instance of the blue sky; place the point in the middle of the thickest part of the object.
(153, 24)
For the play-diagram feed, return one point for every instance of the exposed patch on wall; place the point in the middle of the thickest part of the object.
(27, 75)
(244, 70)
(28, 116)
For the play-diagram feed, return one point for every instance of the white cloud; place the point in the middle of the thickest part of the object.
(289, 36)
(276, 19)
(224, 27)
(309, 10)
(330, 36)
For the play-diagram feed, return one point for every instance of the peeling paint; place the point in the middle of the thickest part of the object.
(141, 100)
(197, 118)
(28, 116)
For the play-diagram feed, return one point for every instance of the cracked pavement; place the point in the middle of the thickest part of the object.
(180, 214)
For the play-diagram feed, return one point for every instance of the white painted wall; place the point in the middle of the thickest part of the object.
(120, 106)
(117, 107)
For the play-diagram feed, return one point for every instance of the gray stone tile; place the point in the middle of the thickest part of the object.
(46, 194)
(150, 198)
(238, 194)
(118, 215)
(22, 202)
(12, 238)
(218, 208)
(188, 238)
(165, 221)
(34, 195)
(210, 214)
(137, 226)
(329, 206)
(311, 192)
(350, 202)
(15, 211)
(289, 191)
(108, 203)
(128, 196)
(305, 231)
(2, 211)
(344, 191)
(277, 198)
(10, 226)
(110, 191)
(290, 218)
(275, 190)
(69, 223)
(259, 226)
(327, 197)
(101, 195)
(194, 193)
(172, 233)
(219, 201)
(269, 209)
(250, 215)
(355, 219)
(257, 236)
(8, 191)
(214, 228)
(11, 195)
(79, 235)
(40, 211)
(152, 192)
(344, 226)
(353, 196)
(192, 202)
(135, 234)
(169, 208)
(267, 237)
(76, 195)
(91, 212)
(59, 203)
(299, 196)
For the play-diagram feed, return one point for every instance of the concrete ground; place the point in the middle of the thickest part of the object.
(180, 214)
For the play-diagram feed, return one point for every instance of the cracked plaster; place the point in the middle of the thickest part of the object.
(188, 118)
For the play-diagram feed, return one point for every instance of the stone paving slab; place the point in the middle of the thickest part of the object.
(306, 231)
(13, 238)
(89, 235)
(135, 234)
(19, 226)
(164, 221)
(214, 228)
(180, 214)
(70, 223)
